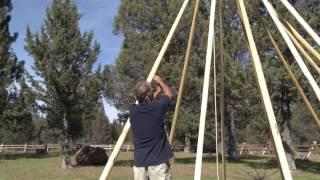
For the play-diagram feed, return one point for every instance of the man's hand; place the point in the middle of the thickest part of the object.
(157, 79)
(165, 88)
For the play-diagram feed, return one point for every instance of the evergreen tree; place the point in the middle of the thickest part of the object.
(98, 128)
(101, 127)
(17, 117)
(10, 67)
(63, 57)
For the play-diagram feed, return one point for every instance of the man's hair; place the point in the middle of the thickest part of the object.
(141, 91)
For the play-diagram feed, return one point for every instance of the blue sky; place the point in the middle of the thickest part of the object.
(97, 15)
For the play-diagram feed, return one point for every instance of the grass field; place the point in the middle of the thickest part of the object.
(30, 167)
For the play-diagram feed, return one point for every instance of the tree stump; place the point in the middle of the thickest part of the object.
(88, 155)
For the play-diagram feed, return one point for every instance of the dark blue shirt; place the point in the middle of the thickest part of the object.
(151, 145)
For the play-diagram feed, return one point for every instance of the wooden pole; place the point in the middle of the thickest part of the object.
(304, 24)
(294, 79)
(285, 171)
(223, 147)
(184, 72)
(205, 91)
(292, 48)
(215, 110)
(107, 169)
(304, 42)
(303, 52)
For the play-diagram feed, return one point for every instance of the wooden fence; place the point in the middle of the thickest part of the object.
(302, 151)
(23, 148)
(129, 147)
(28, 147)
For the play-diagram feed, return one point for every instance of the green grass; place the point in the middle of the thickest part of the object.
(31, 167)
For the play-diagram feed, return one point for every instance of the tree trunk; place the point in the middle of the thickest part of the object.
(287, 144)
(232, 138)
(286, 128)
(66, 161)
(187, 143)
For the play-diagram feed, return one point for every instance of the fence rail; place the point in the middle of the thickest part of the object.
(302, 151)
(28, 147)
(56, 147)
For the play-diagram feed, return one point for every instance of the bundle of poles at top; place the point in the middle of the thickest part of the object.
(292, 38)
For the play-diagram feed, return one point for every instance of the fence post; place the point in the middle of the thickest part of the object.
(25, 147)
(1, 148)
(310, 151)
(45, 145)
(312, 148)
(265, 150)
(242, 147)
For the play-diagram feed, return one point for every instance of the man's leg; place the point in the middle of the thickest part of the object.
(160, 172)
(140, 173)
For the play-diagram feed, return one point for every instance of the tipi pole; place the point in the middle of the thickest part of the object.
(285, 171)
(292, 48)
(304, 24)
(294, 80)
(184, 72)
(205, 91)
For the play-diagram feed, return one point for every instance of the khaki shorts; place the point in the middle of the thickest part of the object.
(158, 172)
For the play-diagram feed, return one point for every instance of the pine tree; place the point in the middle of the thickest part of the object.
(145, 26)
(15, 118)
(18, 125)
(10, 67)
(101, 127)
(98, 128)
(64, 58)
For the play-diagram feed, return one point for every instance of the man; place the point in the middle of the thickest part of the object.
(152, 150)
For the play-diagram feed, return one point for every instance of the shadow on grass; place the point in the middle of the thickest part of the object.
(267, 163)
(255, 162)
(124, 163)
(303, 165)
(209, 158)
(192, 160)
(26, 156)
(309, 166)
(178, 160)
